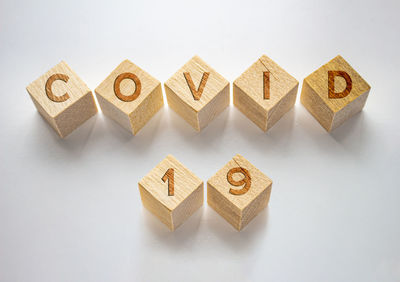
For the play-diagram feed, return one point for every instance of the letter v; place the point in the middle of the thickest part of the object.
(196, 93)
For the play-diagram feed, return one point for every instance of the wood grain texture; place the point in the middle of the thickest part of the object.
(62, 98)
(200, 98)
(188, 193)
(265, 92)
(332, 112)
(238, 209)
(129, 103)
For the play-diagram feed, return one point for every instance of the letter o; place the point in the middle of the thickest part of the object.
(117, 89)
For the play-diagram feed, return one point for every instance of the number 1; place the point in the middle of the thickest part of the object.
(169, 175)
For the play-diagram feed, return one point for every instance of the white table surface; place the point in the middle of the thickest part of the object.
(70, 209)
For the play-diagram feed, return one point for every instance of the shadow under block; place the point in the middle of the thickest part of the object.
(264, 100)
(188, 192)
(330, 111)
(238, 192)
(130, 96)
(197, 93)
(62, 98)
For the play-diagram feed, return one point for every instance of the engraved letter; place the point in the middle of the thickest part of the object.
(49, 83)
(266, 85)
(331, 84)
(196, 93)
(117, 89)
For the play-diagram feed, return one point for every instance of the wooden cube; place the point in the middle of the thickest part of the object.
(62, 98)
(171, 192)
(130, 96)
(334, 93)
(265, 92)
(238, 191)
(197, 93)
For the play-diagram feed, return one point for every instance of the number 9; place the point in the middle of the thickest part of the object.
(246, 181)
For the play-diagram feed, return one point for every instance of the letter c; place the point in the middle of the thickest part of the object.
(49, 83)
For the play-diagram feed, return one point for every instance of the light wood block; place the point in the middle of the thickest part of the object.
(238, 191)
(171, 192)
(334, 93)
(130, 96)
(197, 93)
(265, 92)
(62, 98)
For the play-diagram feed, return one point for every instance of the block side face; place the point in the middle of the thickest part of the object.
(188, 206)
(147, 109)
(113, 112)
(250, 108)
(76, 114)
(280, 109)
(349, 110)
(196, 68)
(318, 81)
(185, 182)
(127, 86)
(223, 206)
(255, 207)
(259, 182)
(251, 82)
(182, 109)
(74, 87)
(316, 106)
(45, 115)
(155, 207)
(216, 106)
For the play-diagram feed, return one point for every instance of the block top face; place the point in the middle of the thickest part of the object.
(127, 86)
(57, 89)
(258, 181)
(185, 182)
(196, 67)
(251, 82)
(319, 82)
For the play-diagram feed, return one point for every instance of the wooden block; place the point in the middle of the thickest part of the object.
(62, 98)
(265, 92)
(334, 93)
(171, 192)
(238, 191)
(197, 93)
(130, 96)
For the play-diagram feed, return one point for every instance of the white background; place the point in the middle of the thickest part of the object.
(70, 209)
